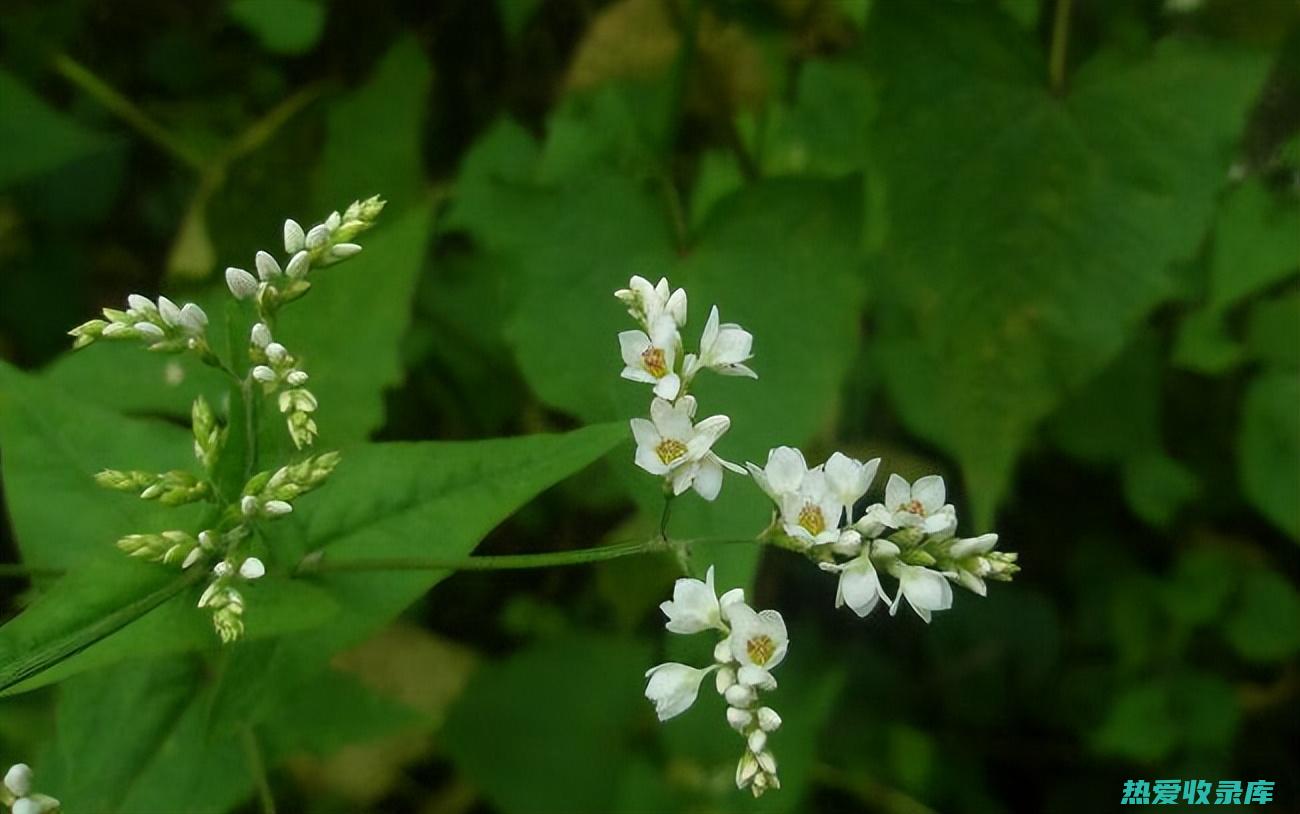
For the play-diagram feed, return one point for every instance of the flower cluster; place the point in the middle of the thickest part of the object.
(910, 536)
(225, 545)
(17, 793)
(671, 444)
(751, 644)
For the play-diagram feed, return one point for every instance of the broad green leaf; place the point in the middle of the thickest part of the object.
(282, 26)
(1148, 721)
(1271, 336)
(36, 137)
(52, 445)
(398, 500)
(54, 442)
(372, 145)
(1031, 232)
(549, 729)
(1261, 627)
(1268, 449)
(1254, 247)
(825, 132)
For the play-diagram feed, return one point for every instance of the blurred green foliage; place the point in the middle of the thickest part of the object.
(1080, 301)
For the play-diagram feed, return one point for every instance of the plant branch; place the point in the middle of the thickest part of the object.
(128, 111)
(1060, 45)
(17, 570)
(257, 767)
(509, 562)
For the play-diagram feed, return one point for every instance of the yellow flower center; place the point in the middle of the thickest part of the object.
(914, 507)
(669, 450)
(810, 517)
(653, 359)
(760, 649)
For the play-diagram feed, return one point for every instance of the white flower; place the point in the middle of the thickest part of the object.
(975, 560)
(784, 473)
(673, 687)
(670, 445)
(19, 779)
(924, 590)
(267, 268)
(646, 303)
(694, 606)
(252, 568)
(848, 479)
(241, 284)
(758, 640)
(651, 357)
(812, 513)
(192, 319)
(919, 505)
(298, 265)
(723, 348)
(294, 239)
(859, 585)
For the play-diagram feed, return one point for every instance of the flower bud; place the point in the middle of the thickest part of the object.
(317, 237)
(169, 311)
(293, 236)
(260, 336)
(757, 740)
(241, 284)
(298, 265)
(768, 720)
(739, 718)
(252, 568)
(267, 268)
(276, 508)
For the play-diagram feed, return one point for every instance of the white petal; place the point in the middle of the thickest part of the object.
(672, 420)
(193, 319)
(898, 492)
(673, 688)
(676, 306)
(684, 476)
(645, 433)
(252, 568)
(708, 480)
(786, 469)
(929, 491)
(299, 265)
(169, 311)
(668, 387)
(142, 304)
(632, 344)
(710, 337)
(706, 433)
(649, 461)
(694, 606)
(241, 284)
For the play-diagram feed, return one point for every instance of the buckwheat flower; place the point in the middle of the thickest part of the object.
(924, 590)
(18, 785)
(646, 302)
(859, 586)
(969, 562)
(267, 268)
(723, 349)
(651, 357)
(783, 475)
(294, 239)
(848, 479)
(673, 687)
(812, 513)
(919, 505)
(758, 643)
(241, 284)
(694, 606)
(671, 446)
(192, 319)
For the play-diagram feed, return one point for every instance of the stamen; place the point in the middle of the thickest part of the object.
(669, 450)
(760, 649)
(810, 517)
(653, 359)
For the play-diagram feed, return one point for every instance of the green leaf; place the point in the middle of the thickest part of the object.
(1268, 449)
(825, 132)
(372, 144)
(282, 26)
(1271, 333)
(1261, 627)
(549, 729)
(1057, 225)
(37, 138)
(397, 500)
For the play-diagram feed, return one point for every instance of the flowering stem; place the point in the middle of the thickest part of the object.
(1060, 44)
(663, 518)
(508, 562)
(250, 426)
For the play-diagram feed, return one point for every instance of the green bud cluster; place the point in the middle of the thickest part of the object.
(209, 436)
(167, 547)
(290, 482)
(173, 488)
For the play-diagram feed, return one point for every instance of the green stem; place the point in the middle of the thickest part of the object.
(1060, 45)
(667, 513)
(246, 386)
(681, 74)
(511, 562)
(257, 767)
(127, 111)
(17, 570)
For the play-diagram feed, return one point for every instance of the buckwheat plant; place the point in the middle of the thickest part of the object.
(224, 546)
(910, 537)
(17, 794)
